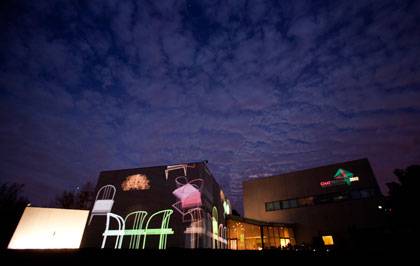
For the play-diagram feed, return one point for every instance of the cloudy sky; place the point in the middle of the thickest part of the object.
(255, 87)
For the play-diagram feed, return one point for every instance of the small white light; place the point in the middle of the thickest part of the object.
(380, 207)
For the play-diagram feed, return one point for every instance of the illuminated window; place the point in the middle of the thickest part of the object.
(284, 242)
(328, 240)
(232, 244)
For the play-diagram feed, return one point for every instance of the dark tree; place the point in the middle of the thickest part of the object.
(85, 196)
(403, 200)
(12, 204)
(66, 200)
(82, 198)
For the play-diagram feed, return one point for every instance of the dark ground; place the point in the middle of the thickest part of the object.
(189, 257)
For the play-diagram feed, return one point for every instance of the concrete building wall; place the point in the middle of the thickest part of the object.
(327, 218)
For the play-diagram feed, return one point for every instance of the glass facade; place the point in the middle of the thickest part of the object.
(320, 199)
(244, 234)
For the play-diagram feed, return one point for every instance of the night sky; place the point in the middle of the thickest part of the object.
(254, 87)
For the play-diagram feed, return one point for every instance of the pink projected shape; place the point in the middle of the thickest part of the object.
(189, 196)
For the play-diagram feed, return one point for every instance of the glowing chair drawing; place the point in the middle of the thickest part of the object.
(215, 227)
(180, 181)
(136, 231)
(197, 183)
(197, 227)
(188, 194)
(183, 180)
(175, 167)
(208, 223)
(222, 236)
(163, 231)
(104, 201)
(118, 233)
(186, 217)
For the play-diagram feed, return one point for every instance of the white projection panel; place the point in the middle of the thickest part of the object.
(49, 228)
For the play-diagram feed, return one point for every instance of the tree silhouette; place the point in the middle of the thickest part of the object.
(403, 200)
(80, 199)
(12, 204)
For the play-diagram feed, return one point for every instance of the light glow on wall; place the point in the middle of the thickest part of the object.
(328, 240)
(49, 228)
(135, 182)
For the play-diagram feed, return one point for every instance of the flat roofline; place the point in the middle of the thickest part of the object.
(152, 166)
(55, 208)
(254, 179)
(257, 222)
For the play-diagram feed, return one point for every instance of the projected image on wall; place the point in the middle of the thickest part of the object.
(156, 208)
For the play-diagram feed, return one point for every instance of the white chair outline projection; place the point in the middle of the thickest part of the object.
(183, 180)
(222, 236)
(103, 202)
(119, 233)
(215, 227)
(189, 205)
(180, 181)
(175, 167)
(197, 228)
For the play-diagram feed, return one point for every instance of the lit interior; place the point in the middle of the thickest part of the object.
(49, 228)
(247, 236)
(328, 240)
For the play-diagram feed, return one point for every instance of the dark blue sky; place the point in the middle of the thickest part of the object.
(255, 87)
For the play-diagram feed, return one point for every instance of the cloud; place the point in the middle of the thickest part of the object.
(256, 88)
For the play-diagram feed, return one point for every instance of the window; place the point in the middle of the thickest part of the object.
(269, 206)
(340, 197)
(302, 202)
(284, 242)
(320, 199)
(328, 240)
(293, 203)
(365, 193)
(355, 194)
(323, 199)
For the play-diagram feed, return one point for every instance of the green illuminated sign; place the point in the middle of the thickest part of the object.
(341, 177)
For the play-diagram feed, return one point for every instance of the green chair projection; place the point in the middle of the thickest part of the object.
(136, 219)
(163, 231)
